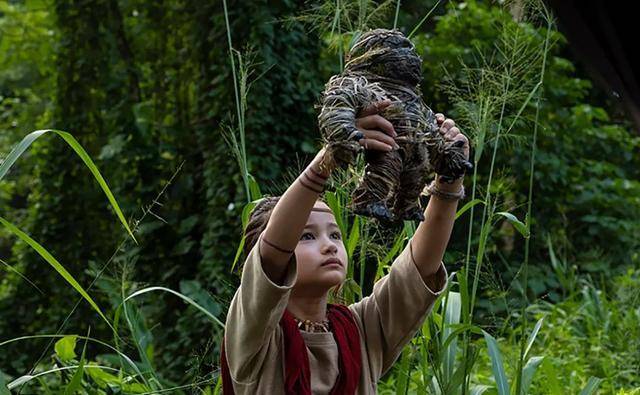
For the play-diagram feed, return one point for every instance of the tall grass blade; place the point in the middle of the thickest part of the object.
(143, 341)
(467, 206)
(424, 18)
(25, 278)
(532, 337)
(73, 143)
(246, 213)
(178, 294)
(55, 264)
(502, 384)
(238, 252)
(404, 367)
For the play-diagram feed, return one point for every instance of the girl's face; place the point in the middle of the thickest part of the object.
(320, 241)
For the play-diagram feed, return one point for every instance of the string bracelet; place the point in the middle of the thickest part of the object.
(433, 190)
(311, 183)
(276, 247)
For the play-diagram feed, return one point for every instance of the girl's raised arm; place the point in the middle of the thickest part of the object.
(290, 214)
(289, 217)
(432, 235)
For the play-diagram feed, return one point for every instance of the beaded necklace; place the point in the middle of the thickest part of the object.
(312, 326)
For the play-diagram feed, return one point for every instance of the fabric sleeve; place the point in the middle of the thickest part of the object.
(396, 309)
(254, 314)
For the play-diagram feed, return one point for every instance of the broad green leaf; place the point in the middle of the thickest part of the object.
(451, 317)
(592, 386)
(502, 384)
(520, 227)
(73, 143)
(55, 264)
(65, 347)
(529, 371)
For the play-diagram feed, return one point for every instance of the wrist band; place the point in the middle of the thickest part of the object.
(315, 173)
(309, 186)
(276, 247)
(318, 183)
(432, 189)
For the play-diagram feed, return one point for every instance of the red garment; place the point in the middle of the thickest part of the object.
(297, 374)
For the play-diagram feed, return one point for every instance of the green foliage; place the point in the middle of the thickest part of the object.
(148, 90)
(65, 348)
(585, 180)
(143, 87)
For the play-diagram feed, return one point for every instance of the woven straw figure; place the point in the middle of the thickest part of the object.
(383, 64)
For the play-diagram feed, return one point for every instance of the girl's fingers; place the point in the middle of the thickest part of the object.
(379, 136)
(440, 118)
(374, 108)
(371, 144)
(376, 122)
(452, 133)
(446, 125)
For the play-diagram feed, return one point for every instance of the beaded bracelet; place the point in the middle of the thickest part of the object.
(432, 189)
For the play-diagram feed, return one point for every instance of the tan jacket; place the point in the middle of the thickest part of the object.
(387, 320)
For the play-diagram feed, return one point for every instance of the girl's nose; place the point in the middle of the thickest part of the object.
(329, 246)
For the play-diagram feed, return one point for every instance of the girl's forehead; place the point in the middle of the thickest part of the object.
(320, 218)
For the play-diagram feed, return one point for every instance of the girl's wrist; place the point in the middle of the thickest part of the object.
(319, 167)
(314, 177)
(453, 187)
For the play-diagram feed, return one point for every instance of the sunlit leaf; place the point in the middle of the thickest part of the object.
(55, 264)
(73, 143)
(65, 348)
(502, 384)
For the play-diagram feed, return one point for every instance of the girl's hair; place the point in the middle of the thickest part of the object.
(258, 222)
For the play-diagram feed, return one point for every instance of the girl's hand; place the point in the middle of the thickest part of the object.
(378, 132)
(452, 133)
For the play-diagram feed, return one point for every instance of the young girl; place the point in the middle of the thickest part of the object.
(282, 336)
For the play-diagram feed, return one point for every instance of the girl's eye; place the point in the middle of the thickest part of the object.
(304, 234)
(338, 234)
